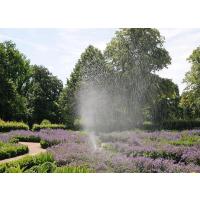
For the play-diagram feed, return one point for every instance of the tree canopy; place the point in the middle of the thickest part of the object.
(190, 100)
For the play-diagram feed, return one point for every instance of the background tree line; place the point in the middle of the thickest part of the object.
(28, 92)
(127, 69)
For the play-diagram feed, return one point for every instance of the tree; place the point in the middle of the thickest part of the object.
(43, 95)
(164, 104)
(133, 56)
(14, 77)
(67, 100)
(190, 99)
(87, 72)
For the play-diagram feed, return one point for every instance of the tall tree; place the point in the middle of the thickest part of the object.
(14, 77)
(134, 55)
(164, 104)
(43, 94)
(88, 71)
(190, 100)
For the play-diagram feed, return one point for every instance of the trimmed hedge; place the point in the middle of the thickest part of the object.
(180, 124)
(172, 125)
(8, 150)
(45, 144)
(37, 127)
(23, 138)
(8, 126)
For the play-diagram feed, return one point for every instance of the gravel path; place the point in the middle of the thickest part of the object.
(34, 148)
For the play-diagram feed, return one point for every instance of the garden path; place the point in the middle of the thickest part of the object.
(34, 148)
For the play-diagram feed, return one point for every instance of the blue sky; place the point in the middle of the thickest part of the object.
(59, 49)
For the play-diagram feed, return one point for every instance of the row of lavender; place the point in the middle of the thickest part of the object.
(121, 152)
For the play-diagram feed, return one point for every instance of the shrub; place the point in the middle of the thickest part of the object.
(180, 124)
(45, 144)
(28, 138)
(8, 126)
(45, 122)
(15, 169)
(77, 124)
(14, 140)
(149, 126)
(37, 127)
(8, 150)
(47, 167)
(27, 162)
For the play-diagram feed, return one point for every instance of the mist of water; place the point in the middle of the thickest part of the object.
(111, 105)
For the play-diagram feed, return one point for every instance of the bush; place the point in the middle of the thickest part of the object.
(27, 162)
(8, 150)
(180, 124)
(29, 138)
(149, 126)
(47, 167)
(8, 126)
(37, 127)
(172, 125)
(45, 122)
(77, 124)
(45, 144)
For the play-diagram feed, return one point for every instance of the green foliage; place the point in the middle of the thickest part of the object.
(15, 169)
(149, 126)
(45, 144)
(47, 167)
(78, 124)
(8, 126)
(14, 77)
(190, 100)
(14, 140)
(180, 124)
(23, 138)
(164, 101)
(45, 122)
(70, 169)
(90, 62)
(37, 127)
(187, 140)
(43, 94)
(27, 162)
(8, 150)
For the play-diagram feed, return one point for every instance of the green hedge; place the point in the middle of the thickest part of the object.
(45, 144)
(23, 138)
(180, 124)
(172, 125)
(37, 127)
(8, 150)
(8, 126)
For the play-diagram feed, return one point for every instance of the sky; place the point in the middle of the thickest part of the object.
(60, 49)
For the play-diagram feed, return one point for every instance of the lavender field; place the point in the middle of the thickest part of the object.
(120, 152)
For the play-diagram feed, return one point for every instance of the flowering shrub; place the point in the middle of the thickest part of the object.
(128, 151)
